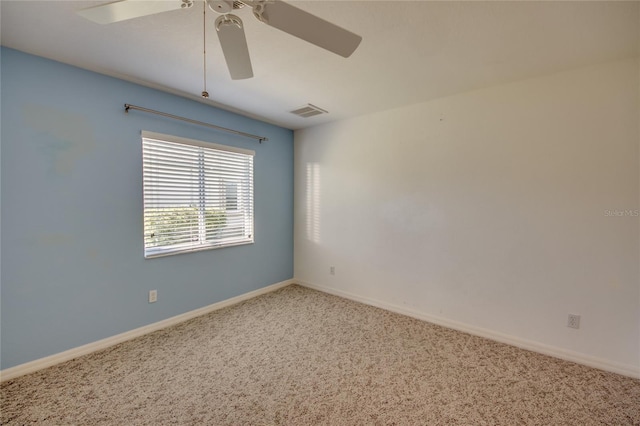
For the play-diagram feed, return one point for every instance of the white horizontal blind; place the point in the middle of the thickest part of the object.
(195, 197)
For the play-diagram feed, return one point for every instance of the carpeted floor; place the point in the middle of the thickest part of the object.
(301, 357)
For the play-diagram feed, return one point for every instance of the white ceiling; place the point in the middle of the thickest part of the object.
(412, 51)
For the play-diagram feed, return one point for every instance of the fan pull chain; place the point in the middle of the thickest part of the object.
(205, 94)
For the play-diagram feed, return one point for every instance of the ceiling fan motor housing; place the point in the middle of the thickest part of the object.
(220, 6)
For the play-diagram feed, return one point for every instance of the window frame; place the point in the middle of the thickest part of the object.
(182, 248)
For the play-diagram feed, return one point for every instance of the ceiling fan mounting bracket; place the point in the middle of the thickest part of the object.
(258, 10)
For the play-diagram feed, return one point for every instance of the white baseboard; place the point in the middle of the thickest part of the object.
(579, 358)
(39, 364)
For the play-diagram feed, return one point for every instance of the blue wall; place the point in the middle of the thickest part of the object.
(73, 270)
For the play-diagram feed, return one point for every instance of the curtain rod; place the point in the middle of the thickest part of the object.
(127, 107)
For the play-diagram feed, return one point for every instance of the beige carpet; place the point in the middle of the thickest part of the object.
(300, 357)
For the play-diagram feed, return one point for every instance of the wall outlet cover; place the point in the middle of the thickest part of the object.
(573, 321)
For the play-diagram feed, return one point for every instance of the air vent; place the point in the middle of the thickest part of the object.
(238, 5)
(308, 110)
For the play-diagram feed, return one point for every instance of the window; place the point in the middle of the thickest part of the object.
(197, 195)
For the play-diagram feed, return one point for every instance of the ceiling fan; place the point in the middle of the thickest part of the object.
(230, 28)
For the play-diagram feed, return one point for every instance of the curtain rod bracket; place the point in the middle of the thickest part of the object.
(260, 139)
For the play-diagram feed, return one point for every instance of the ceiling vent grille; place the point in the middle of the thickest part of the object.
(308, 110)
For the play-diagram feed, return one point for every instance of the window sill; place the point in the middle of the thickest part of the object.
(162, 252)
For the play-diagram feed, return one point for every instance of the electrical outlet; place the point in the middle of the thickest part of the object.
(332, 270)
(153, 296)
(573, 321)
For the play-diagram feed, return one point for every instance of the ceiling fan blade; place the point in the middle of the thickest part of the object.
(234, 46)
(129, 9)
(306, 26)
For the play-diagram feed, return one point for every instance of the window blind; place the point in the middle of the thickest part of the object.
(197, 195)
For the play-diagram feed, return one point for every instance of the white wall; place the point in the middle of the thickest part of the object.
(487, 209)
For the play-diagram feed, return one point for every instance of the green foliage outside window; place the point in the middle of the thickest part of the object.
(176, 225)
